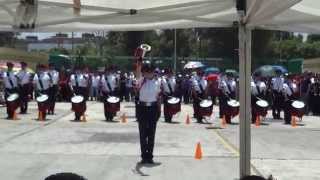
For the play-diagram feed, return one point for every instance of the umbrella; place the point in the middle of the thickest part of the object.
(212, 77)
(269, 70)
(232, 71)
(212, 70)
(16, 67)
(193, 65)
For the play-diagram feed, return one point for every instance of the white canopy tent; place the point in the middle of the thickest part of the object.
(133, 15)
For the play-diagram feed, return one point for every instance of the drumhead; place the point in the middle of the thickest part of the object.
(113, 99)
(206, 103)
(262, 103)
(233, 103)
(42, 98)
(13, 97)
(77, 99)
(173, 100)
(298, 104)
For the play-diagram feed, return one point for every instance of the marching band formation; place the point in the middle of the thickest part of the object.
(149, 88)
(294, 95)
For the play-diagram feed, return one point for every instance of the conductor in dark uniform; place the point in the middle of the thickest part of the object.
(148, 109)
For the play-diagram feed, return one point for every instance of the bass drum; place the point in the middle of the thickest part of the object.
(42, 102)
(112, 104)
(206, 107)
(173, 106)
(78, 104)
(233, 107)
(13, 101)
(262, 108)
(297, 108)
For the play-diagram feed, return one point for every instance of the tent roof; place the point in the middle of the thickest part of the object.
(58, 15)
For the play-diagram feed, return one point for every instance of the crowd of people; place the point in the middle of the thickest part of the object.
(189, 87)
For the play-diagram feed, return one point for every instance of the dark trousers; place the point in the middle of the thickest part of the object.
(287, 114)
(147, 119)
(278, 103)
(167, 116)
(223, 108)
(24, 98)
(52, 98)
(186, 97)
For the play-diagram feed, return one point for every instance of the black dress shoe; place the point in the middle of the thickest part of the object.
(143, 161)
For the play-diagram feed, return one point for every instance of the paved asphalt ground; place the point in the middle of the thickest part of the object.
(31, 150)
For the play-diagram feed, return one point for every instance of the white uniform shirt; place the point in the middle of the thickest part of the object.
(149, 90)
(54, 76)
(80, 78)
(277, 84)
(262, 87)
(228, 86)
(197, 81)
(24, 77)
(44, 78)
(95, 81)
(12, 77)
(289, 89)
(165, 84)
(112, 79)
(129, 81)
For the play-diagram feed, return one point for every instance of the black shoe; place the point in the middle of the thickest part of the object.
(150, 161)
(143, 161)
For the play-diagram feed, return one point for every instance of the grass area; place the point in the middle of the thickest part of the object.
(31, 58)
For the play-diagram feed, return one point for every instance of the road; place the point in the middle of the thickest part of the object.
(96, 149)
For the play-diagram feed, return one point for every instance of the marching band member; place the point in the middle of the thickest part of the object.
(278, 99)
(109, 84)
(42, 83)
(258, 92)
(11, 86)
(24, 80)
(79, 83)
(199, 92)
(95, 79)
(54, 78)
(168, 84)
(227, 88)
(148, 109)
(314, 95)
(289, 91)
(129, 87)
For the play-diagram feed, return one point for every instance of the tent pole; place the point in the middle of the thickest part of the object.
(245, 98)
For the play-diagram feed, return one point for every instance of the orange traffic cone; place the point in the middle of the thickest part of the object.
(40, 116)
(293, 121)
(223, 122)
(257, 121)
(15, 115)
(84, 119)
(188, 119)
(198, 154)
(124, 118)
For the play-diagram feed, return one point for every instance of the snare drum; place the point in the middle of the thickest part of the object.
(13, 101)
(297, 108)
(112, 104)
(262, 107)
(173, 106)
(206, 107)
(78, 104)
(42, 102)
(233, 107)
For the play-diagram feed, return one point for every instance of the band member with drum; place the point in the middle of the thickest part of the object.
(24, 80)
(42, 83)
(148, 108)
(108, 85)
(11, 88)
(79, 82)
(199, 93)
(289, 92)
(258, 93)
(168, 84)
(53, 91)
(227, 93)
(277, 92)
